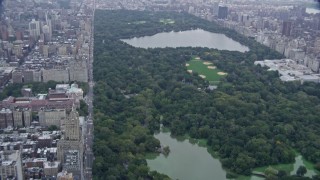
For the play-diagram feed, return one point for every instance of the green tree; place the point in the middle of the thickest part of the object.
(281, 173)
(301, 171)
(166, 151)
(53, 128)
(83, 110)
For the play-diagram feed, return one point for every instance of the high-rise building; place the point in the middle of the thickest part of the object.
(49, 24)
(11, 165)
(19, 35)
(22, 117)
(45, 51)
(34, 28)
(37, 76)
(244, 19)
(27, 76)
(72, 127)
(17, 118)
(59, 75)
(286, 28)
(223, 12)
(6, 118)
(70, 146)
(62, 50)
(78, 71)
(51, 168)
(49, 117)
(5, 35)
(47, 33)
(215, 8)
(27, 117)
(72, 162)
(44, 141)
(17, 77)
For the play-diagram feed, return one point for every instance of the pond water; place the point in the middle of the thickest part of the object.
(186, 161)
(191, 38)
(189, 161)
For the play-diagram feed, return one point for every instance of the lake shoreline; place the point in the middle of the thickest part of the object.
(188, 161)
(189, 38)
(289, 168)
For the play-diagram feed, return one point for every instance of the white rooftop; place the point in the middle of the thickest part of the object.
(48, 164)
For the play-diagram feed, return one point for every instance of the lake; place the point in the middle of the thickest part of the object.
(186, 161)
(312, 8)
(312, 11)
(191, 38)
(189, 161)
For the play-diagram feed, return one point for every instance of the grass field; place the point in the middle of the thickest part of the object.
(289, 168)
(167, 21)
(205, 70)
(138, 22)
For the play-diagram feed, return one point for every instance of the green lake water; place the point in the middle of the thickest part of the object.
(189, 161)
(186, 161)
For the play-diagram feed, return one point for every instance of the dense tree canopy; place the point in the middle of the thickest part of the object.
(37, 87)
(252, 119)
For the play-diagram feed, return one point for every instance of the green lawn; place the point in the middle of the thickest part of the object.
(211, 75)
(138, 22)
(167, 21)
(285, 167)
(289, 168)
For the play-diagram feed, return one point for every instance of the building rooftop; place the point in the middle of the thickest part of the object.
(39, 160)
(71, 158)
(7, 163)
(48, 164)
(62, 86)
(9, 158)
(289, 70)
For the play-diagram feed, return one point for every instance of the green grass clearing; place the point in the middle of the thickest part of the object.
(289, 168)
(138, 22)
(206, 70)
(285, 167)
(167, 21)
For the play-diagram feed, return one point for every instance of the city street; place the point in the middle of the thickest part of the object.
(88, 141)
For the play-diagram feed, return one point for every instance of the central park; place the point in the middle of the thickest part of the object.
(148, 75)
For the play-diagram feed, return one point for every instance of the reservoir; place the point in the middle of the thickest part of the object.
(191, 38)
(312, 11)
(186, 161)
(313, 8)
